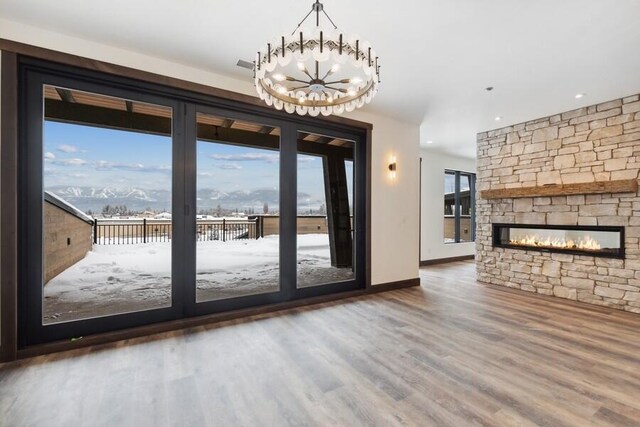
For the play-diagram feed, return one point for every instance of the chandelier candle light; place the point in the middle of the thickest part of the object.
(317, 71)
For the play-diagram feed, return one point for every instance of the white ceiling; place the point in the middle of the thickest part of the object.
(437, 56)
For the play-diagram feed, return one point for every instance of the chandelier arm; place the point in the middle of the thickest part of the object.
(296, 80)
(335, 88)
(335, 27)
(328, 96)
(302, 22)
(343, 81)
(317, 8)
(328, 74)
(307, 73)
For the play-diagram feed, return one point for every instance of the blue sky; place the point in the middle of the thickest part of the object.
(87, 156)
(230, 167)
(76, 155)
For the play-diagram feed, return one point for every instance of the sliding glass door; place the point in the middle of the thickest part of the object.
(107, 195)
(237, 208)
(102, 171)
(325, 220)
(142, 206)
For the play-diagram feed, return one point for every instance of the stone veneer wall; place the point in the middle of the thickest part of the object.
(596, 143)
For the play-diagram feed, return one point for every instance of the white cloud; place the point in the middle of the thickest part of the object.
(230, 166)
(206, 174)
(306, 159)
(247, 157)
(65, 148)
(70, 162)
(105, 165)
(49, 155)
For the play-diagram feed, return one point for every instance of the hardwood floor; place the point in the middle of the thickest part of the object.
(449, 353)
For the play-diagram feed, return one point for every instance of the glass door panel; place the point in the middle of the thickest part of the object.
(107, 205)
(325, 220)
(449, 223)
(465, 208)
(237, 208)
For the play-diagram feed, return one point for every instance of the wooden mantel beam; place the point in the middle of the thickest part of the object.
(600, 187)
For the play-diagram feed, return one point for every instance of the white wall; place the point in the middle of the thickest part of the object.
(0, 209)
(432, 244)
(395, 203)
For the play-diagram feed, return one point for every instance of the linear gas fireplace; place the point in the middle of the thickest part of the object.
(578, 240)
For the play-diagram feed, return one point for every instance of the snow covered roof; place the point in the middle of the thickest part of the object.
(59, 202)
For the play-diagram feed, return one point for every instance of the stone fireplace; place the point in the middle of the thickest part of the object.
(558, 210)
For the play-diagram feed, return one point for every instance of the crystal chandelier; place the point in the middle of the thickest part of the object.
(316, 71)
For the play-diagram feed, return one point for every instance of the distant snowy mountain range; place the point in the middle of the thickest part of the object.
(94, 198)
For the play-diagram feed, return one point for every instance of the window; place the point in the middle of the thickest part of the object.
(459, 203)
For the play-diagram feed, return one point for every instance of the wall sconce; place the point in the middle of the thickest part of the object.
(393, 166)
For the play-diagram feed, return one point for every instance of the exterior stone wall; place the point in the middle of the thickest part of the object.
(305, 225)
(596, 143)
(67, 239)
(450, 228)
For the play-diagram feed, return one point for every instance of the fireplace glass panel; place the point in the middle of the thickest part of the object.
(605, 241)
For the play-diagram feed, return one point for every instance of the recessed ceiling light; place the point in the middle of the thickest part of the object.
(429, 142)
(580, 95)
(498, 118)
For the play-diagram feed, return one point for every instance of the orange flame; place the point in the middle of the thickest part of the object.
(547, 242)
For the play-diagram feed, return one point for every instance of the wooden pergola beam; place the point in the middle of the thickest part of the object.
(91, 115)
(324, 140)
(65, 95)
(245, 138)
(266, 129)
(108, 118)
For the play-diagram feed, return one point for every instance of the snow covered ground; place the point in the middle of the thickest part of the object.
(123, 278)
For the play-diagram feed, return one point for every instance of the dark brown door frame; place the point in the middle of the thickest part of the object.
(11, 53)
(9, 206)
